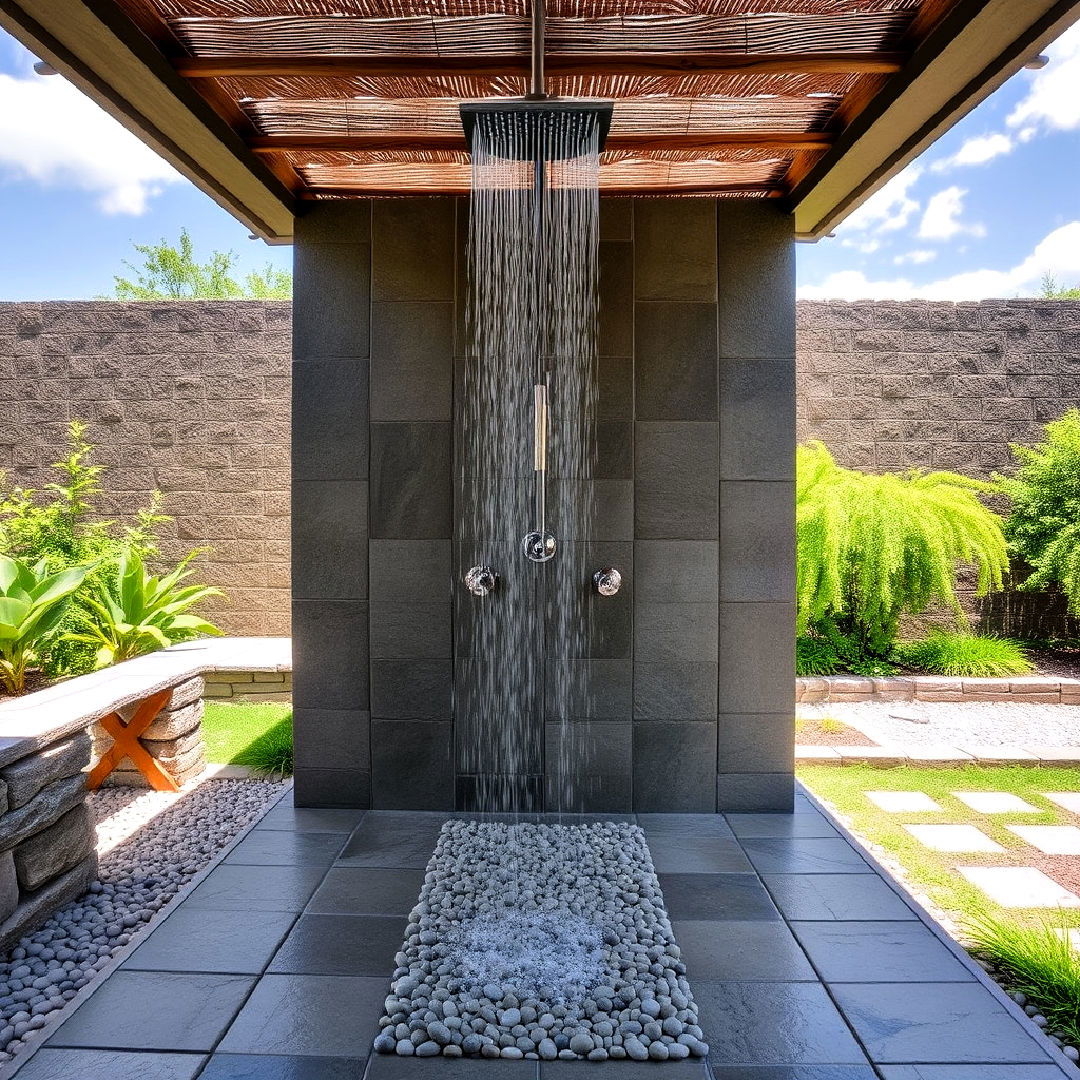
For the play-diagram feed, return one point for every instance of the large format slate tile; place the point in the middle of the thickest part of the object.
(195, 939)
(257, 888)
(364, 890)
(48, 1064)
(885, 952)
(971, 1072)
(794, 1072)
(268, 847)
(281, 1067)
(761, 826)
(341, 945)
(321, 1015)
(151, 1010)
(675, 854)
(767, 1023)
(684, 825)
(391, 1067)
(635, 1070)
(394, 838)
(935, 1022)
(805, 855)
(311, 819)
(739, 950)
(835, 896)
(716, 896)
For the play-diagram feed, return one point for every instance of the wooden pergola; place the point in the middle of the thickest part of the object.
(267, 103)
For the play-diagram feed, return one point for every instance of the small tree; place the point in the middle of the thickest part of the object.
(170, 272)
(1044, 525)
(1051, 290)
(871, 548)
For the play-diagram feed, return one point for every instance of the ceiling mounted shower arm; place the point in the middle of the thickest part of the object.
(537, 82)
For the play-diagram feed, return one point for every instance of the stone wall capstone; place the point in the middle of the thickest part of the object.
(193, 398)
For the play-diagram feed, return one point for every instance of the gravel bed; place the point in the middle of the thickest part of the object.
(540, 941)
(956, 723)
(150, 844)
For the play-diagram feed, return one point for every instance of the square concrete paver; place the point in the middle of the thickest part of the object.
(901, 802)
(1050, 839)
(995, 802)
(1019, 886)
(1067, 800)
(953, 838)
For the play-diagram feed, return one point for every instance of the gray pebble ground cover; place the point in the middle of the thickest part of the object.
(994, 723)
(540, 941)
(150, 845)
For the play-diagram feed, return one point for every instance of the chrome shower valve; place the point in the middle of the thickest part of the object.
(481, 580)
(607, 581)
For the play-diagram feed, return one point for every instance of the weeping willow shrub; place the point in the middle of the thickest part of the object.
(1044, 525)
(871, 548)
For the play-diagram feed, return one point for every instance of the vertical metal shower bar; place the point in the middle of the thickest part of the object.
(537, 89)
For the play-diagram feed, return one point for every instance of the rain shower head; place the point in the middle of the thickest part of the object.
(536, 119)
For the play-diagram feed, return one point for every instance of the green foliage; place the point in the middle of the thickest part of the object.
(1036, 961)
(136, 612)
(815, 656)
(1043, 527)
(271, 752)
(32, 603)
(1051, 290)
(169, 272)
(871, 548)
(960, 654)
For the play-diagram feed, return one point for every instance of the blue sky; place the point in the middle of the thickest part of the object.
(987, 211)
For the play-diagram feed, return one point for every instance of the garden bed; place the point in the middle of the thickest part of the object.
(1024, 689)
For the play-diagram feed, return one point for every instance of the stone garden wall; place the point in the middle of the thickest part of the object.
(193, 398)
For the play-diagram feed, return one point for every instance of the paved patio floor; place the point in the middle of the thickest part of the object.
(805, 962)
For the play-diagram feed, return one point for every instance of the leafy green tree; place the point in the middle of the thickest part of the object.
(1043, 527)
(871, 548)
(1051, 290)
(169, 272)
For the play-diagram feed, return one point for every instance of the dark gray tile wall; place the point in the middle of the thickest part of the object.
(693, 660)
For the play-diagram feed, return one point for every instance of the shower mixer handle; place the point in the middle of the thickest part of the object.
(481, 580)
(607, 581)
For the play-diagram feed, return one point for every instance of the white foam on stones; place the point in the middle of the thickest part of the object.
(541, 941)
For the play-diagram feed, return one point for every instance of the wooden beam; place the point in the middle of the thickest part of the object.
(322, 191)
(787, 141)
(600, 63)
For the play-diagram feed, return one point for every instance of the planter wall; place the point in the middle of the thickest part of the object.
(1027, 690)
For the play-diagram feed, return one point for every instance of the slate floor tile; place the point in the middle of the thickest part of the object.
(152, 1010)
(281, 1067)
(805, 855)
(737, 950)
(685, 824)
(342, 945)
(761, 1023)
(272, 847)
(257, 888)
(673, 854)
(835, 896)
(392, 838)
(634, 1070)
(49, 1064)
(716, 896)
(971, 1072)
(318, 1015)
(364, 890)
(794, 1072)
(886, 952)
(195, 939)
(311, 819)
(750, 826)
(934, 1022)
(391, 1067)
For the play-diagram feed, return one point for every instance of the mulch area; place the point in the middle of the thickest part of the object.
(1059, 662)
(810, 733)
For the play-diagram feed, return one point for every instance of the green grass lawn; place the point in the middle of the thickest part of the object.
(932, 871)
(244, 734)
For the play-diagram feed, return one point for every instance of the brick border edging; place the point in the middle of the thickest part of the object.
(1026, 689)
(939, 756)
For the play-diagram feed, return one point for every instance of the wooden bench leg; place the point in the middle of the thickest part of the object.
(126, 745)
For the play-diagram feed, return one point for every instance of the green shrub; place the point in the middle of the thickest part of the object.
(815, 656)
(870, 548)
(1043, 527)
(136, 612)
(944, 653)
(1037, 962)
(32, 604)
(272, 752)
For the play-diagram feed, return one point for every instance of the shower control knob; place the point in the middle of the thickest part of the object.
(539, 547)
(607, 581)
(481, 580)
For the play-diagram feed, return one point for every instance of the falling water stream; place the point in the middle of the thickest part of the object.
(528, 447)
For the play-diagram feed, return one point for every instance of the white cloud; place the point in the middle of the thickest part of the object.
(53, 134)
(941, 219)
(976, 151)
(1052, 102)
(919, 256)
(887, 210)
(1057, 254)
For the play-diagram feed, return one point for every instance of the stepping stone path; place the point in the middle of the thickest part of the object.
(964, 838)
(995, 802)
(1050, 839)
(899, 802)
(1067, 800)
(1019, 887)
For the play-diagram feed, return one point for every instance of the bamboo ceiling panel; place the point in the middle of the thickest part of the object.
(360, 97)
